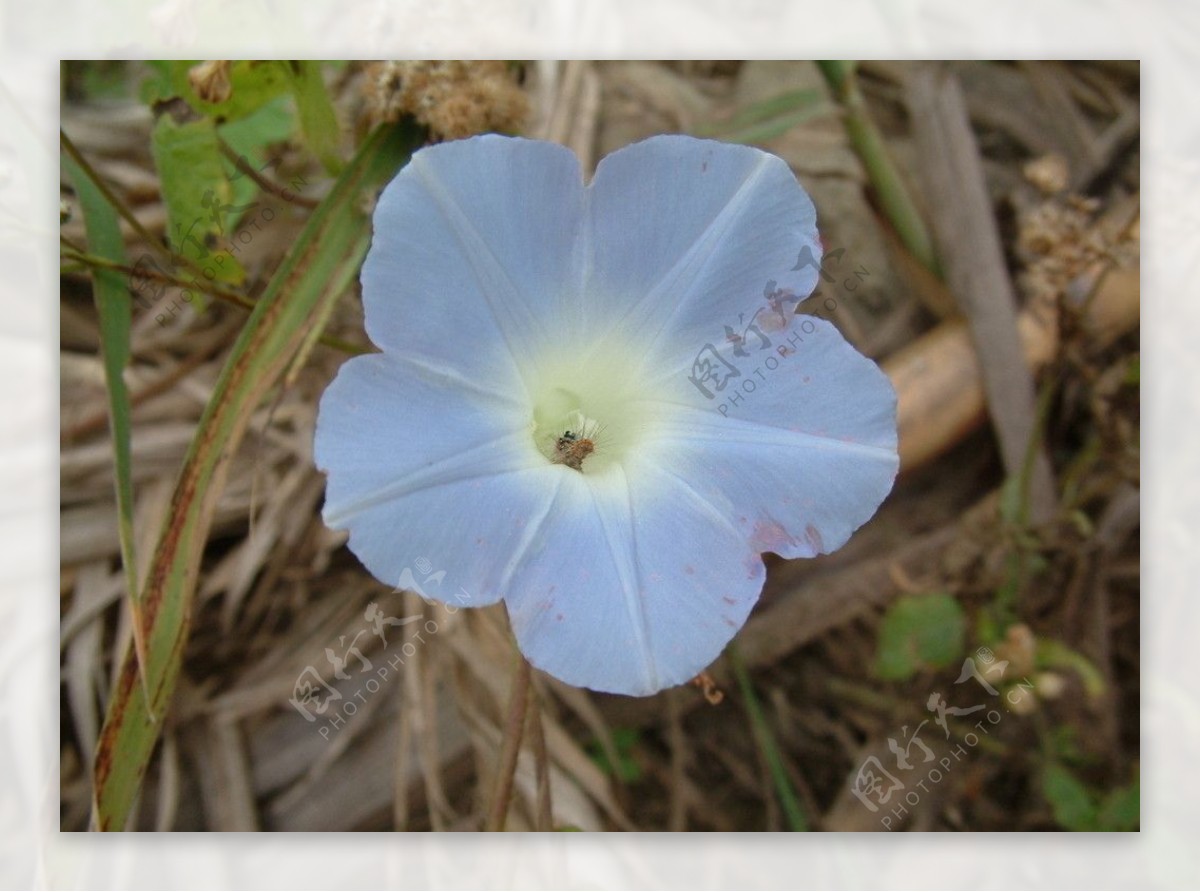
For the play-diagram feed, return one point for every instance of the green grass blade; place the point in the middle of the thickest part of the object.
(114, 306)
(765, 120)
(894, 197)
(332, 241)
(768, 746)
(769, 129)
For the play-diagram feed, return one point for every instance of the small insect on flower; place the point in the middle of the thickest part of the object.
(571, 449)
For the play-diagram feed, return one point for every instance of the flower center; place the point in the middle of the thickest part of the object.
(589, 408)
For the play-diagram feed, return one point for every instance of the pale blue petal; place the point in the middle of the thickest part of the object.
(489, 256)
(424, 468)
(632, 584)
(687, 234)
(474, 255)
(801, 450)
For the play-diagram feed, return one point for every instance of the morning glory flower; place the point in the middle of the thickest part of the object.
(596, 402)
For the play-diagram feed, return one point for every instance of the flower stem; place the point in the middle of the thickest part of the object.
(126, 214)
(94, 262)
(518, 703)
(541, 761)
(867, 141)
(91, 261)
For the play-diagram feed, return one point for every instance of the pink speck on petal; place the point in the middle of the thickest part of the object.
(753, 565)
(773, 322)
(769, 535)
(689, 570)
(728, 600)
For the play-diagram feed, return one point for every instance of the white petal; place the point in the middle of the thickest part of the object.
(635, 583)
(686, 234)
(424, 467)
(474, 255)
(801, 453)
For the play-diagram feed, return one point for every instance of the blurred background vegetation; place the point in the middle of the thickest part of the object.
(968, 662)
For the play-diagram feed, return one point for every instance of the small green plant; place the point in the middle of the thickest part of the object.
(1078, 808)
(919, 632)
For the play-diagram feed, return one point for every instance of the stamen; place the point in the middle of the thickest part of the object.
(571, 449)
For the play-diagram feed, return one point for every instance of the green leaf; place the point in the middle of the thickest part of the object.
(627, 769)
(1074, 808)
(1064, 744)
(158, 84)
(331, 245)
(317, 117)
(102, 79)
(250, 138)
(114, 307)
(273, 123)
(919, 631)
(252, 85)
(1121, 810)
(197, 194)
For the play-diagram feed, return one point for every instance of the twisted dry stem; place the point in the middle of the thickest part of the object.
(518, 704)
